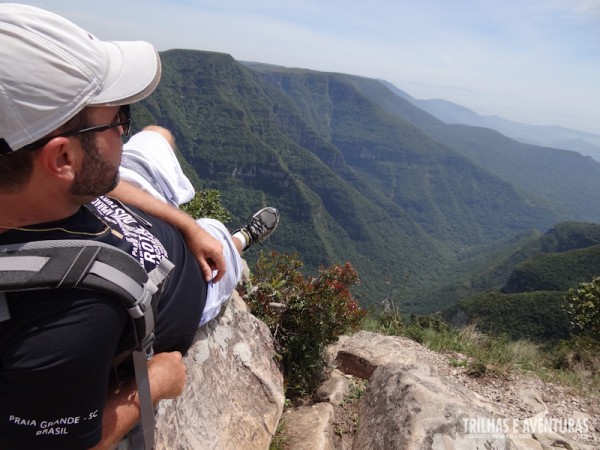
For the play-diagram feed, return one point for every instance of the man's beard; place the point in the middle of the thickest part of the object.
(96, 176)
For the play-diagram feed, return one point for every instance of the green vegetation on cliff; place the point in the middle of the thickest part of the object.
(361, 175)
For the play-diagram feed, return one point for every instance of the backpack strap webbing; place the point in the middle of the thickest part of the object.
(4, 312)
(143, 438)
(95, 266)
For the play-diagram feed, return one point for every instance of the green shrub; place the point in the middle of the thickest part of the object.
(583, 307)
(207, 203)
(304, 313)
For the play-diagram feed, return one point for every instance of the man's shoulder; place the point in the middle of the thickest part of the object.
(60, 312)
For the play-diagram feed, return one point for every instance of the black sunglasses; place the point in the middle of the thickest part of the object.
(124, 121)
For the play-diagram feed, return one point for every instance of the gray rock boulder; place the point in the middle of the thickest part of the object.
(233, 397)
(361, 354)
(310, 427)
(408, 406)
(333, 389)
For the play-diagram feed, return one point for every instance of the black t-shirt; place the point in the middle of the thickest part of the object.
(57, 348)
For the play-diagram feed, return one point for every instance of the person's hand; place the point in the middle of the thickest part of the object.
(207, 250)
(167, 375)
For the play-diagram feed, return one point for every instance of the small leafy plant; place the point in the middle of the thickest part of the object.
(354, 394)
(304, 313)
(207, 203)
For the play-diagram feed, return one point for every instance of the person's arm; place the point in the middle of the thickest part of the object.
(166, 372)
(207, 250)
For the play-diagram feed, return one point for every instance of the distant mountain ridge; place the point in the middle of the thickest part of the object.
(543, 135)
(359, 173)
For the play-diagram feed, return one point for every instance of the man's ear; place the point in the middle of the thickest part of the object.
(60, 158)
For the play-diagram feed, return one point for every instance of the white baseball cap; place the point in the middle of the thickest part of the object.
(50, 69)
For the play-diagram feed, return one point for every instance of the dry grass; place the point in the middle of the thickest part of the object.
(574, 364)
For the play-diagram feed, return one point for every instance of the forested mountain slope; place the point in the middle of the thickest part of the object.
(354, 179)
(448, 195)
(560, 179)
(231, 129)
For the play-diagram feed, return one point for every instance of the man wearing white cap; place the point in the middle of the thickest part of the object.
(64, 105)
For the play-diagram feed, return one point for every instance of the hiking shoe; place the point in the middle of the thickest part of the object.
(260, 226)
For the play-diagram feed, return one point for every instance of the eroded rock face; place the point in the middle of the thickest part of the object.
(233, 397)
(408, 406)
(311, 427)
(361, 354)
(416, 400)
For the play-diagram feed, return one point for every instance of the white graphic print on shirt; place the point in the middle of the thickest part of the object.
(146, 248)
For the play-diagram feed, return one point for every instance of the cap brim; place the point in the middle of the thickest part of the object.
(133, 74)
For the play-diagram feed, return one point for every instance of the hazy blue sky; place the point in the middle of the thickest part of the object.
(534, 61)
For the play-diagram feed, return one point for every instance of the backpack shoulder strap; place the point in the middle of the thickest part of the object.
(83, 264)
(71, 263)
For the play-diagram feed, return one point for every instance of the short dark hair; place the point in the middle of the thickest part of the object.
(16, 167)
